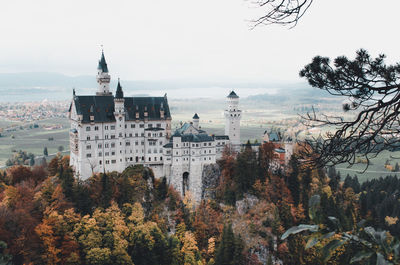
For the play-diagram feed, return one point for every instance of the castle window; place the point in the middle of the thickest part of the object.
(142, 134)
(112, 145)
(149, 134)
(88, 147)
(142, 143)
(107, 162)
(150, 125)
(177, 153)
(158, 125)
(87, 128)
(205, 144)
(106, 127)
(132, 125)
(136, 134)
(100, 154)
(96, 137)
(136, 143)
(100, 162)
(209, 144)
(112, 127)
(112, 136)
(197, 145)
(130, 135)
(96, 128)
(88, 138)
(141, 125)
(149, 159)
(113, 153)
(113, 161)
(160, 158)
(99, 145)
(106, 145)
(126, 126)
(177, 145)
(155, 159)
(106, 136)
(88, 155)
(128, 143)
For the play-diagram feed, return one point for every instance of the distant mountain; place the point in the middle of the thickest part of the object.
(55, 86)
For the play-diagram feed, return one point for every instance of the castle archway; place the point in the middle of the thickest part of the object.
(185, 182)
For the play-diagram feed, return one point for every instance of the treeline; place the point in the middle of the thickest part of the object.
(49, 217)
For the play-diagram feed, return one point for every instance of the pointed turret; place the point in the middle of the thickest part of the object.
(119, 93)
(102, 63)
(103, 78)
(196, 121)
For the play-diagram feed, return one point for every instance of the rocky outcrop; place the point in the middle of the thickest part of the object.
(210, 181)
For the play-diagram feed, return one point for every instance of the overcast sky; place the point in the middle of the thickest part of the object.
(187, 39)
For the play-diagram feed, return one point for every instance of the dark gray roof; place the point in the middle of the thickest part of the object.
(102, 64)
(201, 137)
(221, 137)
(119, 93)
(168, 145)
(233, 95)
(102, 108)
(196, 116)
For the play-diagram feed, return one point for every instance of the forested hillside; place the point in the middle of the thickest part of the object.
(49, 217)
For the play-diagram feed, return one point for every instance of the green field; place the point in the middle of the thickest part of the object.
(34, 140)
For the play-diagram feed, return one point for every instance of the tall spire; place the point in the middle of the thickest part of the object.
(103, 78)
(102, 63)
(119, 93)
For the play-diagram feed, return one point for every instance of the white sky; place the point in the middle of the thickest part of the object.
(187, 39)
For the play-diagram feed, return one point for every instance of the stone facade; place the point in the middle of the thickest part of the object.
(110, 133)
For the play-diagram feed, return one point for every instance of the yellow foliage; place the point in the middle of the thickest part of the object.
(327, 190)
(391, 220)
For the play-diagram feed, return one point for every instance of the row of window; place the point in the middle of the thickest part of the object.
(193, 159)
(185, 144)
(112, 127)
(186, 152)
(112, 136)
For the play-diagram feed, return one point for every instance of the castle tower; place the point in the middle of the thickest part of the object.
(103, 78)
(232, 120)
(196, 121)
(119, 114)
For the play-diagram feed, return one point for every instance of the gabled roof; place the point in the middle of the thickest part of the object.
(202, 137)
(196, 116)
(102, 63)
(102, 108)
(233, 95)
(221, 137)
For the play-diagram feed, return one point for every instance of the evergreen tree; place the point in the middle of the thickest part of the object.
(230, 249)
(45, 152)
(32, 161)
(106, 191)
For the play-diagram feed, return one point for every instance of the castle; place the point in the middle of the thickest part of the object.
(110, 133)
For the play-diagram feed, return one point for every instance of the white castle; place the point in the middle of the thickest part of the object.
(109, 133)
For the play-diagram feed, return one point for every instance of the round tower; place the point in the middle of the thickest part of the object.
(196, 121)
(103, 78)
(119, 113)
(232, 120)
